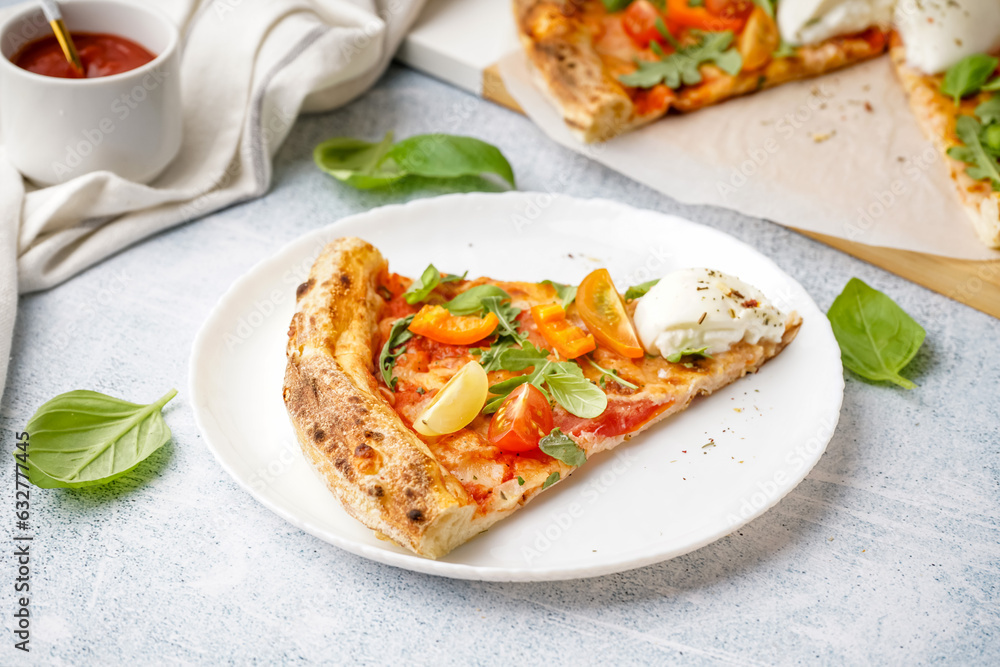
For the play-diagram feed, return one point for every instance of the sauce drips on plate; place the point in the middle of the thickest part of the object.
(102, 54)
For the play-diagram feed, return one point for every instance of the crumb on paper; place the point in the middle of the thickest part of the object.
(737, 409)
(820, 137)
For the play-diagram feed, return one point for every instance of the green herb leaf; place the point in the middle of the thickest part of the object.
(992, 86)
(83, 438)
(520, 481)
(682, 67)
(506, 313)
(368, 165)
(398, 335)
(566, 293)
(470, 302)
(616, 5)
(877, 338)
(700, 352)
(967, 76)
(983, 166)
(357, 163)
(612, 374)
(989, 111)
(639, 290)
(550, 480)
(526, 356)
(429, 279)
(560, 446)
(576, 393)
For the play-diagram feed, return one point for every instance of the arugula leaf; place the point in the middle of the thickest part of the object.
(677, 356)
(550, 480)
(84, 438)
(566, 293)
(560, 446)
(682, 66)
(877, 338)
(564, 380)
(784, 50)
(470, 302)
(616, 5)
(613, 374)
(992, 86)
(490, 359)
(989, 111)
(982, 166)
(520, 481)
(398, 335)
(506, 313)
(367, 165)
(968, 76)
(639, 290)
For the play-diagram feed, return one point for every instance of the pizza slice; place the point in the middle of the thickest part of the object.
(953, 84)
(434, 408)
(613, 65)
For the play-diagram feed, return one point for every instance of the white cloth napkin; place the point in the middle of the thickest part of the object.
(249, 67)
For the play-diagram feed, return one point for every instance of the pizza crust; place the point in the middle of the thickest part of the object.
(381, 472)
(936, 114)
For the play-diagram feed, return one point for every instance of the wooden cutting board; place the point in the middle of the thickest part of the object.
(445, 44)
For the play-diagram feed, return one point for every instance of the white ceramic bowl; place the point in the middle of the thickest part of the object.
(130, 123)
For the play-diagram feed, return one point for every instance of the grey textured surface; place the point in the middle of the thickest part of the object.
(888, 553)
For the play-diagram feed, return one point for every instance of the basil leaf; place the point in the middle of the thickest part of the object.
(367, 165)
(566, 293)
(989, 111)
(613, 374)
(470, 302)
(982, 165)
(356, 162)
(577, 394)
(550, 480)
(968, 75)
(423, 286)
(398, 335)
(686, 352)
(454, 278)
(639, 290)
(877, 338)
(560, 446)
(84, 438)
(682, 66)
(449, 156)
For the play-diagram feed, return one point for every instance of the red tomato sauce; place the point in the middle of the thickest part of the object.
(101, 54)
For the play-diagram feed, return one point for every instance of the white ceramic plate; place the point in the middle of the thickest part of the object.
(660, 495)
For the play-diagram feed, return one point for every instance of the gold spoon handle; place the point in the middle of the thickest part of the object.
(54, 16)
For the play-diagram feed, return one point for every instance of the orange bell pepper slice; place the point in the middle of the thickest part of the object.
(436, 323)
(570, 341)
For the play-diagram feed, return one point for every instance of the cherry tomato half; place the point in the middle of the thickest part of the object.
(523, 419)
(601, 308)
(730, 9)
(436, 323)
(639, 22)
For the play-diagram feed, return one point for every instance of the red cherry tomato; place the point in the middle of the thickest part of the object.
(523, 419)
(639, 23)
(730, 9)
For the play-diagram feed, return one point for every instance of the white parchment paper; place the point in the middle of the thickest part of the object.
(841, 155)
